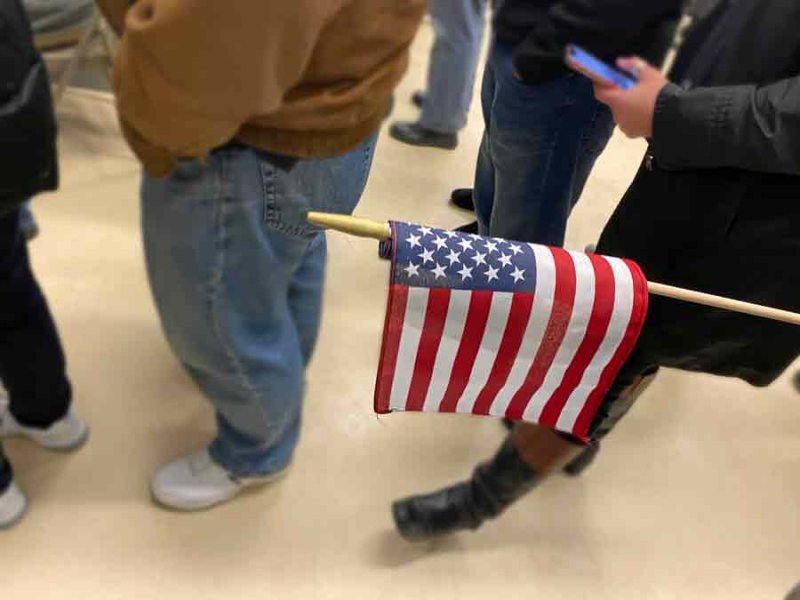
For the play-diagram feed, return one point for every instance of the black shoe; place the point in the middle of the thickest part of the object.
(462, 198)
(417, 135)
(581, 462)
(494, 486)
(468, 228)
(418, 99)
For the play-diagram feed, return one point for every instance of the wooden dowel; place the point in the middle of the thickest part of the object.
(748, 308)
(382, 231)
(353, 225)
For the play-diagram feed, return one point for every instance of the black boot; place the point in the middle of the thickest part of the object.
(578, 464)
(468, 228)
(417, 135)
(462, 198)
(494, 486)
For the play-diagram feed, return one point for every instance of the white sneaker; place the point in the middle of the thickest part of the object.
(68, 433)
(196, 482)
(13, 506)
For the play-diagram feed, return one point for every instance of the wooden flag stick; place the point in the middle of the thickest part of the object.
(382, 231)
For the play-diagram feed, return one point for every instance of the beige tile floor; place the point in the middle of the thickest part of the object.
(696, 496)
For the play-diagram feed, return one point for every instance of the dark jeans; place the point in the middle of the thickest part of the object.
(32, 366)
(539, 146)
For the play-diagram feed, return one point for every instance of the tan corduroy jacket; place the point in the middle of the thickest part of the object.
(302, 78)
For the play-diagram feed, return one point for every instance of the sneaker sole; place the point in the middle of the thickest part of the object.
(15, 521)
(74, 445)
(179, 505)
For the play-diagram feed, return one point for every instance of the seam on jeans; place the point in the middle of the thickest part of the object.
(216, 286)
(273, 216)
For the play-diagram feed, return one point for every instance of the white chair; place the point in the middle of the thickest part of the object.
(73, 47)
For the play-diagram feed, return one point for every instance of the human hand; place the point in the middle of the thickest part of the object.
(634, 109)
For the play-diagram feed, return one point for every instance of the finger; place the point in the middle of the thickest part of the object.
(638, 67)
(606, 94)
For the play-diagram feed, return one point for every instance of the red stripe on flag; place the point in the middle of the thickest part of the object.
(595, 332)
(392, 331)
(563, 302)
(639, 314)
(435, 317)
(477, 316)
(521, 306)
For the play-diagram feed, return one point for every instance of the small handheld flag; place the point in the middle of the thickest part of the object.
(490, 327)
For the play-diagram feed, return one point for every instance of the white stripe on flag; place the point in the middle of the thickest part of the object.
(534, 331)
(490, 344)
(413, 322)
(448, 347)
(620, 319)
(576, 331)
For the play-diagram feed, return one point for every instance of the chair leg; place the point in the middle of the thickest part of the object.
(78, 56)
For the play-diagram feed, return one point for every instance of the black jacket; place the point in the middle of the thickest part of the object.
(716, 205)
(27, 125)
(540, 29)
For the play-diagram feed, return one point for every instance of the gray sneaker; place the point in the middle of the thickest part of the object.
(13, 506)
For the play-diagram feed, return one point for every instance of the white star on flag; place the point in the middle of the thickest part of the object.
(412, 269)
(465, 244)
(454, 257)
(413, 240)
(439, 271)
(505, 260)
(479, 258)
(425, 231)
(491, 274)
(440, 243)
(465, 272)
(515, 249)
(426, 256)
(518, 275)
(491, 246)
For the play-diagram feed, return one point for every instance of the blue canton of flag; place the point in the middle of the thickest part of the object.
(436, 258)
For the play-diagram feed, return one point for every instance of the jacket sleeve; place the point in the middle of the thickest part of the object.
(745, 127)
(605, 27)
(190, 72)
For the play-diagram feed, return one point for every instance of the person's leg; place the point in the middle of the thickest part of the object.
(451, 75)
(529, 455)
(542, 141)
(453, 63)
(484, 186)
(32, 365)
(237, 277)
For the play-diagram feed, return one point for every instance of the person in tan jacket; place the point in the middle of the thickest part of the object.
(245, 116)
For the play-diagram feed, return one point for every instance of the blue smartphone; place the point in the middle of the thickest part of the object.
(588, 64)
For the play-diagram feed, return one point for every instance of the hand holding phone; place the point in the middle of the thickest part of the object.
(598, 71)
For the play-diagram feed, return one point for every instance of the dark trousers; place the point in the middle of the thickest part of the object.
(539, 145)
(32, 366)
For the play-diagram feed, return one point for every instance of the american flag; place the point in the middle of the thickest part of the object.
(491, 327)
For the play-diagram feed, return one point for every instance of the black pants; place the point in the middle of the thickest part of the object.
(32, 366)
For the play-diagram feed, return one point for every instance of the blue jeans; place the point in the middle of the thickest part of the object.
(539, 146)
(237, 275)
(453, 63)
